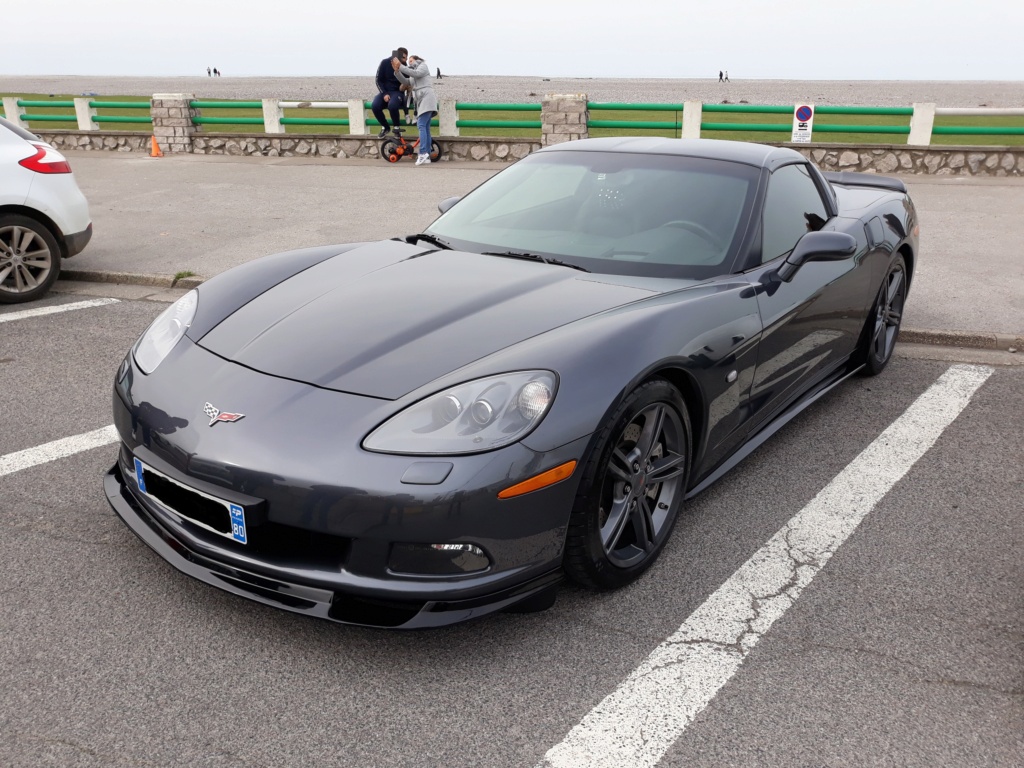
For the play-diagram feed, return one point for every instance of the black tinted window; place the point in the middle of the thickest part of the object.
(792, 208)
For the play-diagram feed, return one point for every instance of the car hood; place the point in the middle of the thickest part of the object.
(386, 318)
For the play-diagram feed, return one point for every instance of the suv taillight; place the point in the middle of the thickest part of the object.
(45, 160)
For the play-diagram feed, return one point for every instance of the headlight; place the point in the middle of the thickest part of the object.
(477, 416)
(166, 331)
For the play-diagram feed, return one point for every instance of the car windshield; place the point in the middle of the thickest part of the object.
(612, 212)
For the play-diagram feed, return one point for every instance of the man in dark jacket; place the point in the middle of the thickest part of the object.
(389, 92)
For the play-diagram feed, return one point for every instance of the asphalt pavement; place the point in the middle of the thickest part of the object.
(157, 217)
(905, 648)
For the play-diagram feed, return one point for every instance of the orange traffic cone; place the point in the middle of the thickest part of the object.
(154, 149)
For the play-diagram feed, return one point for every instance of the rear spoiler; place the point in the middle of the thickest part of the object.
(852, 179)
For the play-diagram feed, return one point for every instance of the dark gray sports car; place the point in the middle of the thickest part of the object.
(422, 430)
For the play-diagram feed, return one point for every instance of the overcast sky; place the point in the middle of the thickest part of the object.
(854, 40)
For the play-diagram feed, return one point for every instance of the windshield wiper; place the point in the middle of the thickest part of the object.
(534, 257)
(429, 238)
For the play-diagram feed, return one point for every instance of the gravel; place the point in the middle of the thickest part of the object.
(491, 89)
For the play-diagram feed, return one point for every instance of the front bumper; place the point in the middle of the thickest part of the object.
(330, 526)
(307, 594)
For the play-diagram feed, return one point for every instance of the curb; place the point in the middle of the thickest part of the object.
(130, 278)
(1006, 342)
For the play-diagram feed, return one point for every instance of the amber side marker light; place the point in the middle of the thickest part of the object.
(543, 480)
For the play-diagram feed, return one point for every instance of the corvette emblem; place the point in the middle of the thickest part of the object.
(216, 415)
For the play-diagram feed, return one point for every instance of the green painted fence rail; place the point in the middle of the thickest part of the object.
(226, 104)
(299, 115)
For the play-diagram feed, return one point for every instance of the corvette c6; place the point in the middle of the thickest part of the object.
(417, 431)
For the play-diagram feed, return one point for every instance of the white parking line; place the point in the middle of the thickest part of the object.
(55, 309)
(58, 449)
(638, 723)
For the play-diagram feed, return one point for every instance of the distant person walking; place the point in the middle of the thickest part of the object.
(389, 91)
(720, 79)
(439, 74)
(416, 74)
(727, 75)
(209, 72)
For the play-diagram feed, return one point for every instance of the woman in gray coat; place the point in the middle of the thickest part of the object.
(416, 74)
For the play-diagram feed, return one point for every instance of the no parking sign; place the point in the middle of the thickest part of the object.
(803, 123)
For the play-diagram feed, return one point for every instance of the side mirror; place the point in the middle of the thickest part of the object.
(447, 203)
(817, 246)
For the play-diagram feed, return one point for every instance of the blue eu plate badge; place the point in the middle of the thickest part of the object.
(237, 523)
(138, 476)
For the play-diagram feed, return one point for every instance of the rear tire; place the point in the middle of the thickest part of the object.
(29, 259)
(631, 490)
(883, 323)
(435, 151)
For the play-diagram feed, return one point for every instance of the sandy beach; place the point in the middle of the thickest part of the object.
(962, 93)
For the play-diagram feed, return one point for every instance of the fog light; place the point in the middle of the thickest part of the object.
(449, 559)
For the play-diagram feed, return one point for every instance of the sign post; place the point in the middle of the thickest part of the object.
(803, 123)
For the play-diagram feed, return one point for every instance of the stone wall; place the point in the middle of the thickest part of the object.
(881, 158)
(900, 159)
(111, 141)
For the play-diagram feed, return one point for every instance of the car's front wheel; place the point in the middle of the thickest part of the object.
(29, 259)
(631, 490)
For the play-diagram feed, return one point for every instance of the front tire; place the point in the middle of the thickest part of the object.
(29, 259)
(631, 490)
(389, 150)
(883, 325)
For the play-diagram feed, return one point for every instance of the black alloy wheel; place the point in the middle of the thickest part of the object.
(885, 318)
(631, 490)
(29, 259)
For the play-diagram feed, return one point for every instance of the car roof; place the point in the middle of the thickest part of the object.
(759, 155)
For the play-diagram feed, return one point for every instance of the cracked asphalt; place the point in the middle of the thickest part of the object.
(906, 648)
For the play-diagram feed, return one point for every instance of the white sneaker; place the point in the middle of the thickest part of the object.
(423, 159)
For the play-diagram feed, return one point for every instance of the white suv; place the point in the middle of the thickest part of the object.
(44, 216)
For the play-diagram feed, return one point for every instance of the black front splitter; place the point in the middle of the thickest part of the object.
(341, 607)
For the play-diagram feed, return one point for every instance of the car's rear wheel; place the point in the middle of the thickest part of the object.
(883, 324)
(631, 490)
(29, 259)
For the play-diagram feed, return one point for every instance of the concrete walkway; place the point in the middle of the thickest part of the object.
(157, 217)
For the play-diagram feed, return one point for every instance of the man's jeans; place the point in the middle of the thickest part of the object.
(393, 104)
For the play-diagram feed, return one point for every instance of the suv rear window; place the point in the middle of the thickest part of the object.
(17, 130)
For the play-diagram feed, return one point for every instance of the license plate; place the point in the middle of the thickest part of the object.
(233, 521)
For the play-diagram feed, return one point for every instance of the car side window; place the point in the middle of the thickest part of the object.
(792, 208)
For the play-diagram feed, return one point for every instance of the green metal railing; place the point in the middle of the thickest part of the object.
(71, 118)
(783, 126)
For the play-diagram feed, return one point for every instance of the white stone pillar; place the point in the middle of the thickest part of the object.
(85, 114)
(693, 113)
(357, 117)
(448, 118)
(272, 114)
(921, 123)
(563, 117)
(172, 121)
(13, 111)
